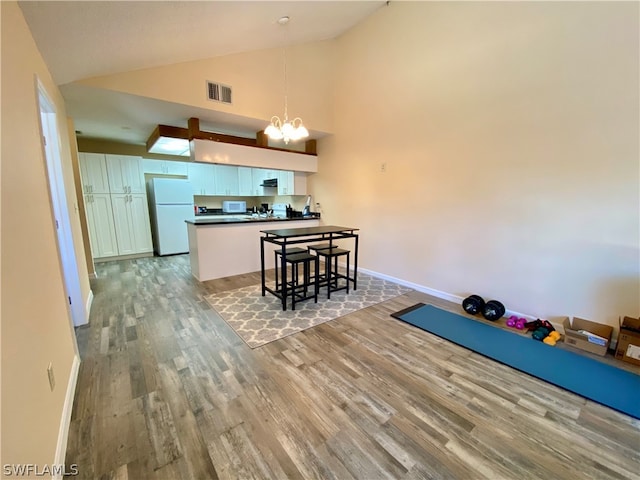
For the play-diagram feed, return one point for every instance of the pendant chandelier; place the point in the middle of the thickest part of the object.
(285, 129)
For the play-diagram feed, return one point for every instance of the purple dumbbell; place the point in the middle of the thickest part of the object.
(512, 321)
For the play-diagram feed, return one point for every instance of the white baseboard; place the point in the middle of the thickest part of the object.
(65, 421)
(447, 296)
(87, 306)
(420, 288)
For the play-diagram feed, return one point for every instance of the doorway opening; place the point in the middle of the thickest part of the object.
(66, 251)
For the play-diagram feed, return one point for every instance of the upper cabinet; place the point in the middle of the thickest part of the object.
(202, 178)
(93, 170)
(125, 174)
(245, 182)
(230, 180)
(165, 167)
(299, 183)
(111, 173)
(226, 180)
(285, 183)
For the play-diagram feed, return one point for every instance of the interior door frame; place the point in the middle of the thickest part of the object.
(50, 141)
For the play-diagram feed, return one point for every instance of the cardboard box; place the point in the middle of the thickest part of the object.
(628, 349)
(597, 340)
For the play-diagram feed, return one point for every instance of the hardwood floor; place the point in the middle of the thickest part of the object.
(167, 390)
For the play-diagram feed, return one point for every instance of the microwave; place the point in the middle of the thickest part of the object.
(229, 206)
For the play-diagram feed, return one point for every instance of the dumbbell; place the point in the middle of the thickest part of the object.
(543, 331)
(516, 322)
(493, 310)
(473, 304)
(540, 333)
(552, 338)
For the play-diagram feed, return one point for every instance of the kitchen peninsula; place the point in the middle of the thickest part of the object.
(223, 247)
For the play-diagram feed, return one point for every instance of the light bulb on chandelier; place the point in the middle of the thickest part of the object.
(287, 130)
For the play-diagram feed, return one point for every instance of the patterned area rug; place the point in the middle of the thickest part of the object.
(259, 320)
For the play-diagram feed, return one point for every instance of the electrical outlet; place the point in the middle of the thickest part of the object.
(52, 378)
(383, 167)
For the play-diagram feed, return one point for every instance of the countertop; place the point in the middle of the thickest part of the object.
(212, 220)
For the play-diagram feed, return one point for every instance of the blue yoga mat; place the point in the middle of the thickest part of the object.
(592, 379)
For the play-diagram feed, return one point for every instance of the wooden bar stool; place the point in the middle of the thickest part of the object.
(300, 289)
(331, 277)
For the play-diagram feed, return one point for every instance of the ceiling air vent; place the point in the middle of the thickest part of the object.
(218, 92)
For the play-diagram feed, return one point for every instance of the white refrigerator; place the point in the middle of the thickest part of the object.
(170, 204)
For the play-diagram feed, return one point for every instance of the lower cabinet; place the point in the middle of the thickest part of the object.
(131, 221)
(102, 234)
(118, 224)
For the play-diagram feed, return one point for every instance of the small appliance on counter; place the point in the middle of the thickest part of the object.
(235, 206)
(306, 211)
(280, 210)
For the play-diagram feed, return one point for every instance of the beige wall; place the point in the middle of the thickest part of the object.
(510, 137)
(36, 328)
(256, 78)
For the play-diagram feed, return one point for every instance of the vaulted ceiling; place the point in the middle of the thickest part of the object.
(83, 39)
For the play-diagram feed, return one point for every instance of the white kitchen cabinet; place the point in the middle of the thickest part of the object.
(102, 235)
(125, 174)
(131, 221)
(202, 178)
(226, 180)
(245, 182)
(285, 183)
(259, 176)
(93, 170)
(164, 167)
(299, 183)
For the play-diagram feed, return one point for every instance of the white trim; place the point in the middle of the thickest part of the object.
(65, 421)
(88, 304)
(446, 296)
(420, 288)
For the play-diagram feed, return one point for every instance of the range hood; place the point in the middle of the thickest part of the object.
(271, 182)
